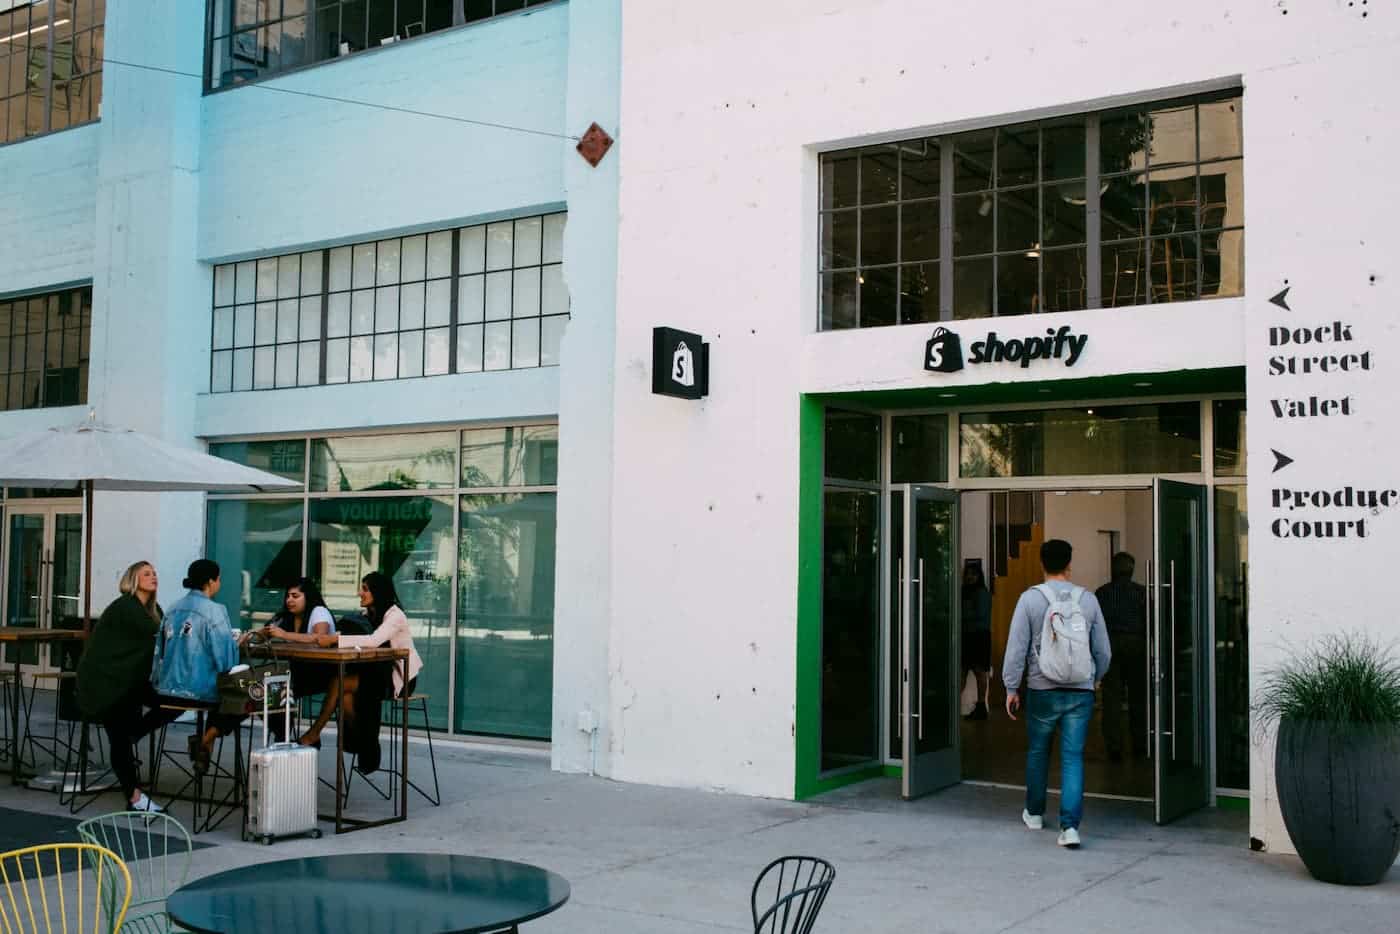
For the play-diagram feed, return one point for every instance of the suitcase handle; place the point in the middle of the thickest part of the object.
(287, 701)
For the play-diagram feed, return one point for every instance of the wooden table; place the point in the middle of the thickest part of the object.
(29, 634)
(340, 658)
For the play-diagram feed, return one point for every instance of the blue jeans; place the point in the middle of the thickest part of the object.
(1071, 711)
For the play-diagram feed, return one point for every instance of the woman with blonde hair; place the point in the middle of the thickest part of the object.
(114, 676)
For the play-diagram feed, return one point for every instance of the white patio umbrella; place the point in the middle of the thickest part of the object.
(92, 457)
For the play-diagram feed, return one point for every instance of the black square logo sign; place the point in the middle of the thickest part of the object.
(943, 352)
(680, 364)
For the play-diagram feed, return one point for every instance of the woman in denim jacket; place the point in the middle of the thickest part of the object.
(195, 645)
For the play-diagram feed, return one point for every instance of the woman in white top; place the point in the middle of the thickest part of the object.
(304, 616)
(381, 604)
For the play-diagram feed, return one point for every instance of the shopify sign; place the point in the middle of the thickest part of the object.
(944, 351)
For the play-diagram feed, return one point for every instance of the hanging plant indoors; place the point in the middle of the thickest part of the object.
(1337, 762)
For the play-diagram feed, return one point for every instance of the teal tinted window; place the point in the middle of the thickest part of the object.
(852, 446)
(384, 462)
(257, 544)
(919, 449)
(1128, 439)
(517, 456)
(286, 458)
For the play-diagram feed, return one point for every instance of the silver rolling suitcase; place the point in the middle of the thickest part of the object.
(281, 778)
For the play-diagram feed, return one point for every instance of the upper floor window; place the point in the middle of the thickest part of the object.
(1123, 207)
(50, 65)
(44, 343)
(487, 297)
(250, 39)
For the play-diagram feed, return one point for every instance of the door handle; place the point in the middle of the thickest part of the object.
(1172, 656)
(920, 597)
(903, 659)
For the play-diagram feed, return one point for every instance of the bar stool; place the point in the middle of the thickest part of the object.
(212, 805)
(78, 763)
(62, 681)
(391, 719)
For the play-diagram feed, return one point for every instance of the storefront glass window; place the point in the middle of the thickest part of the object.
(505, 616)
(852, 446)
(384, 462)
(1229, 424)
(920, 449)
(1130, 439)
(257, 544)
(517, 456)
(1159, 188)
(410, 539)
(1231, 638)
(285, 458)
(850, 628)
(50, 65)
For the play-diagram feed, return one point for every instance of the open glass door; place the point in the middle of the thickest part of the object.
(929, 663)
(1180, 651)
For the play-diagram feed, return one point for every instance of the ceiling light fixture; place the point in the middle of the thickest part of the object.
(1033, 252)
(16, 35)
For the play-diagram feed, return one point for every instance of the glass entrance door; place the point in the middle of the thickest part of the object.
(43, 576)
(1180, 650)
(927, 571)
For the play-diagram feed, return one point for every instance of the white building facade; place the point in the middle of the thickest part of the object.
(360, 248)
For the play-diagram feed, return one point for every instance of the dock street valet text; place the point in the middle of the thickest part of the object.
(1055, 345)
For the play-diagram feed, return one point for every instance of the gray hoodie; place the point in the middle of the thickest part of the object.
(1023, 643)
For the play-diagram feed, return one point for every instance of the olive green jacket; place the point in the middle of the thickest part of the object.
(117, 658)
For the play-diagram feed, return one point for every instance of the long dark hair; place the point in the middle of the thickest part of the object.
(979, 584)
(382, 593)
(284, 618)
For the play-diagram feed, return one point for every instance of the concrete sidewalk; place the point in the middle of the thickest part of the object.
(647, 859)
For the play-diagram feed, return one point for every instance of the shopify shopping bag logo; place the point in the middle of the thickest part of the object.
(943, 353)
(683, 366)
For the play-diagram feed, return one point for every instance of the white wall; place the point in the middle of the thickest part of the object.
(724, 105)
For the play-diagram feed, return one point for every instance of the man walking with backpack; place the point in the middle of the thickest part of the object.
(1059, 641)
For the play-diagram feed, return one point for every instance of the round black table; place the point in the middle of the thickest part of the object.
(369, 893)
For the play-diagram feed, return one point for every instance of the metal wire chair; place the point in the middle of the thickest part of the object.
(793, 889)
(157, 850)
(72, 888)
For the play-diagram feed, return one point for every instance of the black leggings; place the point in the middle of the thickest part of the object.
(126, 723)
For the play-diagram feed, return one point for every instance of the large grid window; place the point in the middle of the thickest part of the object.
(50, 65)
(251, 39)
(44, 349)
(1123, 207)
(486, 297)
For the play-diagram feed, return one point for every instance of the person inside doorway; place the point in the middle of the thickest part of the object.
(1124, 604)
(1055, 704)
(196, 644)
(976, 635)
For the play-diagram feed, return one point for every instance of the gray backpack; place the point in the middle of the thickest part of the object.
(1064, 654)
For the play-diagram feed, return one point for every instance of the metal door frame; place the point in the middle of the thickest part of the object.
(50, 511)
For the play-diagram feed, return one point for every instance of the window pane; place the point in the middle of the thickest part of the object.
(362, 312)
(1172, 200)
(436, 352)
(879, 236)
(1122, 142)
(1131, 439)
(410, 354)
(387, 262)
(338, 314)
(258, 543)
(528, 233)
(384, 462)
(516, 456)
(246, 282)
(1062, 149)
(469, 348)
(972, 225)
(1123, 206)
(337, 361)
(1222, 130)
(414, 257)
(505, 615)
(438, 301)
(408, 538)
(1222, 264)
(223, 328)
(919, 449)
(286, 458)
(850, 628)
(311, 273)
(363, 267)
(361, 359)
(553, 251)
(1173, 135)
(1018, 284)
(497, 337)
(288, 319)
(439, 254)
(286, 372)
(264, 368)
(386, 356)
(1063, 220)
(1232, 723)
(526, 302)
(222, 378)
(267, 279)
(1018, 156)
(852, 446)
(972, 160)
(1124, 267)
(340, 269)
(554, 297)
(919, 169)
(1222, 194)
(525, 343)
(411, 306)
(1230, 436)
(473, 250)
(838, 237)
(972, 288)
(498, 296)
(223, 285)
(471, 299)
(499, 245)
(879, 175)
(918, 223)
(552, 339)
(840, 180)
(1065, 273)
(918, 293)
(288, 276)
(879, 297)
(309, 327)
(242, 370)
(1018, 221)
(1173, 261)
(309, 363)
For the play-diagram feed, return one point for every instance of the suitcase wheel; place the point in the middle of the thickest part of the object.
(267, 839)
(316, 833)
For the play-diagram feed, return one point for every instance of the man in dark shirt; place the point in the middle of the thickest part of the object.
(1124, 604)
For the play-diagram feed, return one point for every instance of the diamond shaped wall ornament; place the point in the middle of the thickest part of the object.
(594, 145)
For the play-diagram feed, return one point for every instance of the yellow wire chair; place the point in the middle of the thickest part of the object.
(63, 888)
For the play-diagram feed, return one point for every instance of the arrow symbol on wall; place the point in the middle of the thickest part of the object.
(1281, 299)
(1280, 460)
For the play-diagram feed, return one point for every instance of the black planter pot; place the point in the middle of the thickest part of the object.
(1339, 791)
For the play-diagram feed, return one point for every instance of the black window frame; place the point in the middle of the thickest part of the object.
(64, 338)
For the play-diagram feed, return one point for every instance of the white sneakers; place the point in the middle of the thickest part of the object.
(1069, 837)
(143, 803)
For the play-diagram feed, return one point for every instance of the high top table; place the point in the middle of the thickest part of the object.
(340, 658)
(370, 893)
(16, 636)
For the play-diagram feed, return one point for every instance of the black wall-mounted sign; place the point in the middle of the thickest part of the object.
(944, 351)
(680, 364)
